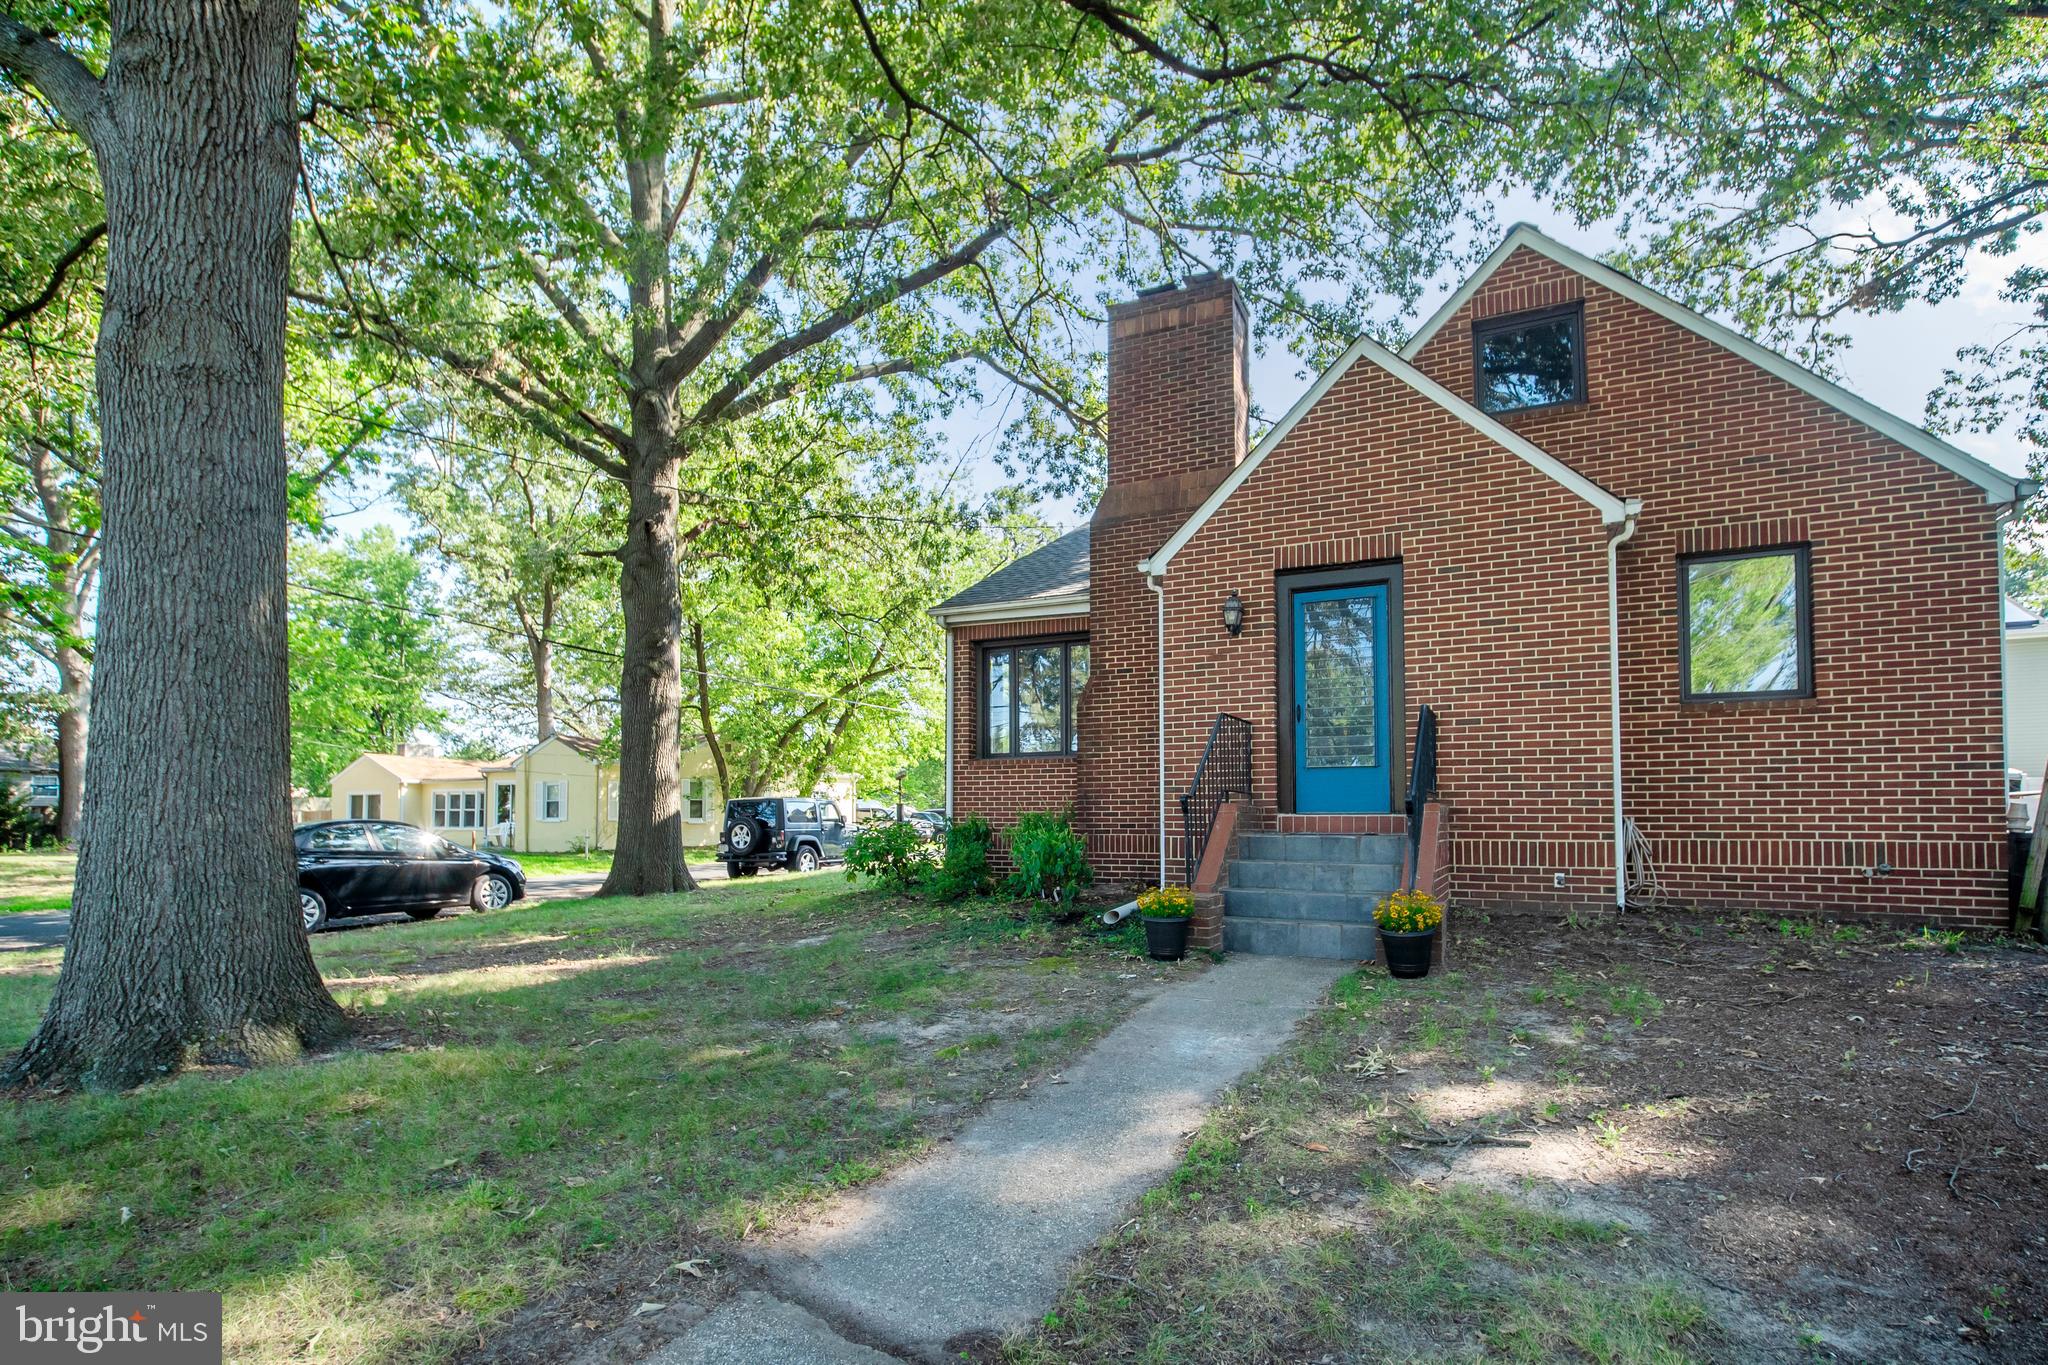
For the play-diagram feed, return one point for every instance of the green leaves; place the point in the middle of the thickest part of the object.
(368, 657)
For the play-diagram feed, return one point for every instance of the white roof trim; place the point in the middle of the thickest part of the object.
(1610, 508)
(1017, 609)
(1998, 486)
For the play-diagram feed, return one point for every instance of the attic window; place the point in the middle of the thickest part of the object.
(1529, 360)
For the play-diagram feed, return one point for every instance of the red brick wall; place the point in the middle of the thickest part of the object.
(1504, 607)
(1177, 414)
(1897, 758)
(1001, 789)
(1767, 805)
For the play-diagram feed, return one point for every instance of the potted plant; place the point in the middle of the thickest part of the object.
(1165, 910)
(1408, 922)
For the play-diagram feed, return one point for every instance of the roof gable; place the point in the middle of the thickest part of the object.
(1612, 509)
(1997, 486)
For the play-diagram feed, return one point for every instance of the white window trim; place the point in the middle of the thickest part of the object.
(359, 804)
(697, 793)
(561, 786)
(467, 801)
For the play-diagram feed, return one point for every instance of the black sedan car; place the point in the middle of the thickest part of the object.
(365, 867)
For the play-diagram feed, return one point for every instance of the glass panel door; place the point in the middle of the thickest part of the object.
(1341, 700)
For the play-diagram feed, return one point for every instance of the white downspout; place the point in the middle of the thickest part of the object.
(1614, 544)
(949, 726)
(1157, 583)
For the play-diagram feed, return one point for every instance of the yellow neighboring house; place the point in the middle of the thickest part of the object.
(557, 796)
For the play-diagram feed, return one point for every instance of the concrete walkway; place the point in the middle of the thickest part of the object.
(979, 1238)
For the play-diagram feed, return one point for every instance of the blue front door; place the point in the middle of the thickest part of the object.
(1340, 700)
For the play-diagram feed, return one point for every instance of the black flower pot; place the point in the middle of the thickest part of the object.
(1166, 937)
(1407, 954)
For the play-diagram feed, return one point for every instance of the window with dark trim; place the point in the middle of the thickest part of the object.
(1745, 625)
(1529, 360)
(1027, 692)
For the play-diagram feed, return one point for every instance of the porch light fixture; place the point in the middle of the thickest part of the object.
(1233, 614)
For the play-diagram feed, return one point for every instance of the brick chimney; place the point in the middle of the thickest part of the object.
(1178, 397)
(1179, 404)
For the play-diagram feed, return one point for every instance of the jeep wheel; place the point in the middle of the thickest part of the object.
(806, 860)
(734, 870)
(750, 869)
(742, 835)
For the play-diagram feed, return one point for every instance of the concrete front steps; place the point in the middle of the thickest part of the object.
(1308, 895)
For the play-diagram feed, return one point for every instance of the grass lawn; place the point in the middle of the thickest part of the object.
(598, 861)
(570, 1093)
(1662, 1138)
(36, 881)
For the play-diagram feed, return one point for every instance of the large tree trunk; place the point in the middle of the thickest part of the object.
(649, 857)
(74, 691)
(542, 651)
(185, 941)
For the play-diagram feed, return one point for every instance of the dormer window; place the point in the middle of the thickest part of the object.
(1529, 360)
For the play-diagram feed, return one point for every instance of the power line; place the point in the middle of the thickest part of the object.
(696, 495)
(603, 653)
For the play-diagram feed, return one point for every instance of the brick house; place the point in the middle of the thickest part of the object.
(1692, 621)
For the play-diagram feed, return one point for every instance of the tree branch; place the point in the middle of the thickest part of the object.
(66, 82)
(845, 316)
(57, 274)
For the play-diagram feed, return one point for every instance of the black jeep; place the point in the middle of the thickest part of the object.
(801, 833)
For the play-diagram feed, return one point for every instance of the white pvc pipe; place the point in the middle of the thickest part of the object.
(949, 726)
(1614, 544)
(1157, 584)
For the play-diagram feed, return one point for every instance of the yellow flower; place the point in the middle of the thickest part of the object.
(1166, 902)
(1408, 912)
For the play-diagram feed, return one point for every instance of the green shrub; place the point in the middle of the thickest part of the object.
(892, 854)
(964, 869)
(21, 826)
(1051, 858)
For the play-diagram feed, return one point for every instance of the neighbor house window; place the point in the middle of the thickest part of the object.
(1530, 360)
(366, 807)
(554, 799)
(458, 810)
(1027, 697)
(696, 798)
(1745, 625)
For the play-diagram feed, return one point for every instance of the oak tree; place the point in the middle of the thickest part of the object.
(184, 943)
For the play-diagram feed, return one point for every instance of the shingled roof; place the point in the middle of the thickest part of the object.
(1049, 573)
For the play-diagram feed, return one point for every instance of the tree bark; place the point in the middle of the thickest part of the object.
(185, 941)
(74, 691)
(80, 556)
(649, 857)
(540, 646)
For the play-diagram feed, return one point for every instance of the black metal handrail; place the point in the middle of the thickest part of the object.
(1421, 787)
(1225, 771)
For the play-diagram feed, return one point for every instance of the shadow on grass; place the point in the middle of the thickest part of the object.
(561, 1079)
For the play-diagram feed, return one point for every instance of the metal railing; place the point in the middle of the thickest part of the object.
(1421, 787)
(1225, 771)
